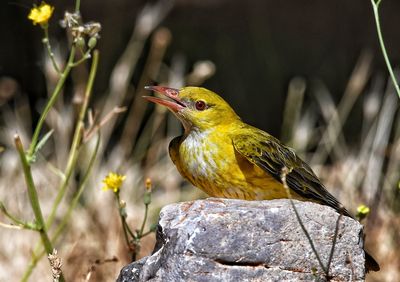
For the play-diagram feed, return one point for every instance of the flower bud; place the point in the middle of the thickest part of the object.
(80, 42)
(92, 42)
(122, 204)
(148, 184)
(147, 198)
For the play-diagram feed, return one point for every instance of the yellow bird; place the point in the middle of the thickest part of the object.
(228, 158)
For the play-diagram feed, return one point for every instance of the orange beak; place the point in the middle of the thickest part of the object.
(175, 105)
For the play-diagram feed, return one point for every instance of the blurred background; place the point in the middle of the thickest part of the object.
(309, 72)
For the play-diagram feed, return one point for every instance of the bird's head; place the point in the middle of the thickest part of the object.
(195, 107)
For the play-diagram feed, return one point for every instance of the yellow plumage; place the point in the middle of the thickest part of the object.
(226, 157)
(209, 161)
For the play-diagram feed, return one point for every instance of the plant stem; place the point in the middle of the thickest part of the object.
(72, 158)
(285, 172)
(328, 266)
(85, 56)
(31, 266)
(73, 155)
(37, 253)
(125, 227)
(77, 6)
(76, 198)
(33, 198)
(146, 210)
(46, 41)
(51, 102)
(19, 223)
(147, 233)
(10, 226)
(375, 6)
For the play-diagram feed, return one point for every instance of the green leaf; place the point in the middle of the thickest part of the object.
(32, 226)
(40, 145)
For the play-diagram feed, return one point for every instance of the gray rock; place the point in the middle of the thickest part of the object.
(235, 240)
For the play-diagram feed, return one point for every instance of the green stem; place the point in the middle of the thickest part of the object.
(15, 220)
(33, 198)
(31, 266)
(46, 41)
(85, 56)
(375, 6)
(124, 225)
(38, 254)
(123, 222)
(77, 6)
(73, 155)
(76, 198)
(147, 233)
(129, 230)
(72, 158)
(146, 210)
(51, 102)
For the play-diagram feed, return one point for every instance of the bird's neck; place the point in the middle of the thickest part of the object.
(222, 128)
(196, 133)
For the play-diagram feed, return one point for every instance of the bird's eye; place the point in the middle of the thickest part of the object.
(200, 105)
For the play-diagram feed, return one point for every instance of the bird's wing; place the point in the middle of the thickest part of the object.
(268, 153)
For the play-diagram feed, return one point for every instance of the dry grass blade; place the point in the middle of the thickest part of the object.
(332, 138)
(293, 105)
(354, 88)
(106, 119)
(147, 20)
(160, 42)
(391, 179)
(377, 152)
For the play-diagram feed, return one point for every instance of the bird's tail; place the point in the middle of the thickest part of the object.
(370, 263)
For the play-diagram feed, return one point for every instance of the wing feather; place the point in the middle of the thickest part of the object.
(268, 153)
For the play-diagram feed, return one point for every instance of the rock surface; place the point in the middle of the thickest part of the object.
(235, 240)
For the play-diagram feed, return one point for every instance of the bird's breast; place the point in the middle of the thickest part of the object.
(209, 161)
(202, 156)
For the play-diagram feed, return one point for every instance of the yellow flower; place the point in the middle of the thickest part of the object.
(41, 14)
(362, 212)
(148, 184)
(363, 209)
(113, 181)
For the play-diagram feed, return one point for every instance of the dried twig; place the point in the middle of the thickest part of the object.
(285, 172)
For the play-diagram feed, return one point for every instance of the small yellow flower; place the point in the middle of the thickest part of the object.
(41, 14)
(362, 211)
(113, 181)
(148, 184)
